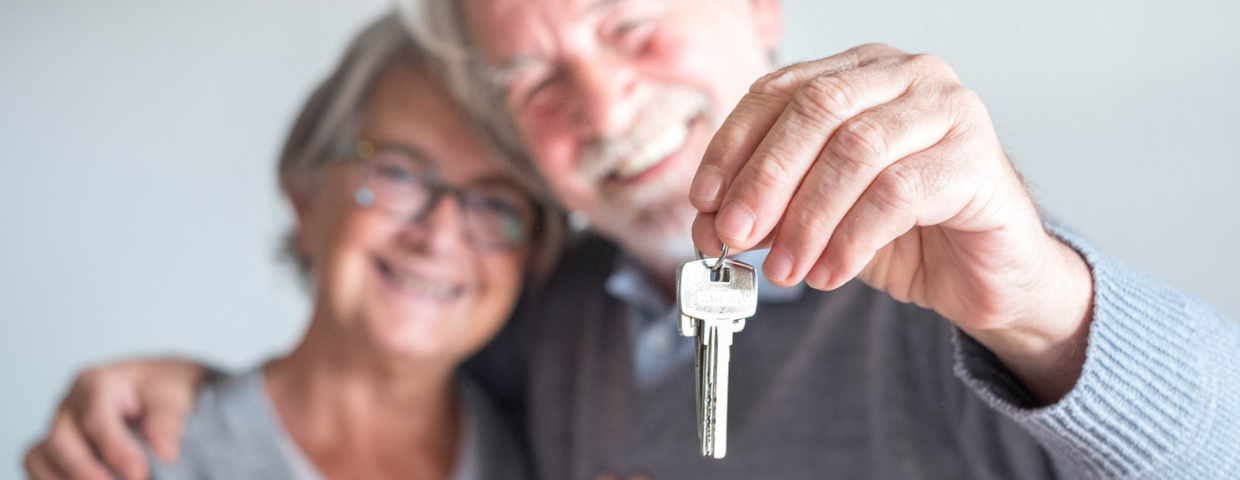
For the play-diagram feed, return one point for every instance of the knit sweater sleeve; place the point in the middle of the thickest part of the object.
(1159, 395)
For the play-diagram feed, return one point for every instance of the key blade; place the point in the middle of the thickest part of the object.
(699, 379)
(714, 381)
(714, 305)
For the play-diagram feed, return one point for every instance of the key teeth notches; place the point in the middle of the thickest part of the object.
(709, 420)
(710, 446)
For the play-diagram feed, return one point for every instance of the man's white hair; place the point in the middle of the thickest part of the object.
(440, 29)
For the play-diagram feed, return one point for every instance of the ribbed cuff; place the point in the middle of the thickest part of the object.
(1142, 397)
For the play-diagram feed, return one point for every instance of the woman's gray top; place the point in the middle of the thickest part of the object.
(234, 434)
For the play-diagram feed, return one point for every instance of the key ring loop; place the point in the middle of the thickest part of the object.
(723, 253)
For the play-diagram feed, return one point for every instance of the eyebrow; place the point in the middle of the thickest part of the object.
(498, 179)
(406, 148)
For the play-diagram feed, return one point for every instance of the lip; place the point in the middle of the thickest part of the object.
(695, 125)
(412, 284)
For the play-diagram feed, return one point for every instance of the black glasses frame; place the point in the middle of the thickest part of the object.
(437, 187)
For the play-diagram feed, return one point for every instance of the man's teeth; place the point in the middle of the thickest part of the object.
(421, 286)
(659, 148)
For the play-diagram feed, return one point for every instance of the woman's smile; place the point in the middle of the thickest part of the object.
(409, 281)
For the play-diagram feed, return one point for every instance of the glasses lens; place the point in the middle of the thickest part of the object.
(398, 182)
(499, 216)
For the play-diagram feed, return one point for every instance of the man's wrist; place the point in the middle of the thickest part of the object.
(1045, 349)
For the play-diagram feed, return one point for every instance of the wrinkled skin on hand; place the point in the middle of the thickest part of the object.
(879, 165)
(155, 396)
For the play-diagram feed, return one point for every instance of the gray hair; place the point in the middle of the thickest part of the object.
(334, 112)
(439, 26)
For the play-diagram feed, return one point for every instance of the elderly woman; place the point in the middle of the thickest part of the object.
(417, 241)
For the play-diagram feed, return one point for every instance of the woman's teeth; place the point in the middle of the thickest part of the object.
(656, 150)
(422, 286)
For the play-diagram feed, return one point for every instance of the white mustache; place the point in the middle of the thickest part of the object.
(601, 154)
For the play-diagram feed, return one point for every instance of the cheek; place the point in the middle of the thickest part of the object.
(549, 135)
(719, 54)
(553, 146)
(555, 152)
(362, 231)
(502, 277)
(346, 254)
(503, 274)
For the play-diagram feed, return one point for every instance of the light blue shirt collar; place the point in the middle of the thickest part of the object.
(657, 346)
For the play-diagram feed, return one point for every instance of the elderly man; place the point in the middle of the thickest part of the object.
(979, 342)
(870, 164)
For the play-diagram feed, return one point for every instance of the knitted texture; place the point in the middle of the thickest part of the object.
(1159, 395)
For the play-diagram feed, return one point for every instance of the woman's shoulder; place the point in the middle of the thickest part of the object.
(232, 434)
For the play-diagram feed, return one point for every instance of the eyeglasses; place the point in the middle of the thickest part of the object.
(402, 181)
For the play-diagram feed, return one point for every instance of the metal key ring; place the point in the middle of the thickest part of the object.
(723, 253)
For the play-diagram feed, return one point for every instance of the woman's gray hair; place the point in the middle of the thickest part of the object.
(334, 112)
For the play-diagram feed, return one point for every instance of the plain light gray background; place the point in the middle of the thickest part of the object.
(138, 204)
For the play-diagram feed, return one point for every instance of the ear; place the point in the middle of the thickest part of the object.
(768, 21)
(302, 208)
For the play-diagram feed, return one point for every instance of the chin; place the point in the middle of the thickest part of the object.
(660, 232)
(424, 339)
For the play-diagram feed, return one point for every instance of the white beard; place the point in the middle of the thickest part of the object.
(657, 234)
(652, 222)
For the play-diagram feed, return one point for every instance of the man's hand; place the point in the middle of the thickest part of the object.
(155, 395)
(879, 165)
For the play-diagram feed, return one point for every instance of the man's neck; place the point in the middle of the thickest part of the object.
(659, 267)
(661, 274)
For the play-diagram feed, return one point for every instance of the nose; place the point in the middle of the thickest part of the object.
(604, 94)
(440, 230)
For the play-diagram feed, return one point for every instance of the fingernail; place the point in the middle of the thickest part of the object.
(778, 265)
(818, 277)
(735, 221)
(707, 186)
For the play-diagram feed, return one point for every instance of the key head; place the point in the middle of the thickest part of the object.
(728, 293)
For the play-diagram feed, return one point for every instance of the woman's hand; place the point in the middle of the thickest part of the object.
(90, 434)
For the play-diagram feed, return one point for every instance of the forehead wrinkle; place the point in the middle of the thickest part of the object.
(416, 152)
(600, 5)
(547, 38)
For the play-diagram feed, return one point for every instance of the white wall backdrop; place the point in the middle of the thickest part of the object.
(139, 213)
(138, 201)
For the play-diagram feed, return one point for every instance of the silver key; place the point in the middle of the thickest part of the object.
(715, 297)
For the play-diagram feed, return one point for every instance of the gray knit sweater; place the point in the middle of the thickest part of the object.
(1159, 396)
(852, 384)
